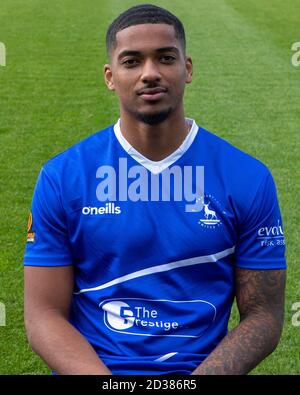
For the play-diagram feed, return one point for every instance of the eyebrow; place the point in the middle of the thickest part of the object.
(128, 52)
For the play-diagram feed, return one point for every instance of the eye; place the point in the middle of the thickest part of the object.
(130, 62)
(167, 59)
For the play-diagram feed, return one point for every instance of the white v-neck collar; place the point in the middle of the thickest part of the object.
(156, 167)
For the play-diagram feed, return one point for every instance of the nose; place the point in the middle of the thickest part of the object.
(150, 72)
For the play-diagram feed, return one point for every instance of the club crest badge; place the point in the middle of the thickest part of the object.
(210, 213)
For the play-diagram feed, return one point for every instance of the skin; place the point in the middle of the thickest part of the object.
(156, 60)
(260, 301)
(48, 293)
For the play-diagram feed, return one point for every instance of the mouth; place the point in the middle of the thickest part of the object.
(152, 94)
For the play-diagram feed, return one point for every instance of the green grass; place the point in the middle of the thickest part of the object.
(52, 95)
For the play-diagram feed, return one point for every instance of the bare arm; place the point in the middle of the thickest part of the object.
(48, 294)
(260, 300)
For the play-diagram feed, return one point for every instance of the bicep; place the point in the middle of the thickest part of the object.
(47, 288)
(260, 291)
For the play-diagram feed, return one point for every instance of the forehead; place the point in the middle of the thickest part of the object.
(146, 37)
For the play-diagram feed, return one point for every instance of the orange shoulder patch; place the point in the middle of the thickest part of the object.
(30, 233)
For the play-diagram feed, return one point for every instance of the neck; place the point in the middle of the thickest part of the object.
(155, 142)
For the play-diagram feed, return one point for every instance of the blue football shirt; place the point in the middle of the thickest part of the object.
(154, 245)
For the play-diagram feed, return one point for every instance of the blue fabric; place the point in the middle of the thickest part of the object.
(140, 299)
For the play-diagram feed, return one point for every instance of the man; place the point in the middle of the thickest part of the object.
(142, 235)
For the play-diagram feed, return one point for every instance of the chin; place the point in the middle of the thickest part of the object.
(154, 118)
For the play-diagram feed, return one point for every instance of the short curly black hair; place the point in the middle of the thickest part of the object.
(140, 14)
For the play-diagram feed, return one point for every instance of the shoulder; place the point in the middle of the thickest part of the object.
(245, 181)
(232, 161)
(80, 154)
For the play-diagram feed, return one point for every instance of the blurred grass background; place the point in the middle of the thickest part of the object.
(52, 95)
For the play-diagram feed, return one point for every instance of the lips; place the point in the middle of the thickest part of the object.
(152, 94)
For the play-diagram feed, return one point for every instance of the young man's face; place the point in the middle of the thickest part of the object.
(148, 71)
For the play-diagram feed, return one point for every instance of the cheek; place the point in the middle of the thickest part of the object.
(179, 78)
(124, 85)
(178, 84)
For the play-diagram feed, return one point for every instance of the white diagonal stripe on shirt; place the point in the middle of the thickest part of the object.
(165, 357)
(162, 268)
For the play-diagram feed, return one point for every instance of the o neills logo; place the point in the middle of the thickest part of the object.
(109, 208)
(271, 231)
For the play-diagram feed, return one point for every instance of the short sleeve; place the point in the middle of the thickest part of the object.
(47, 237)
(261, 242)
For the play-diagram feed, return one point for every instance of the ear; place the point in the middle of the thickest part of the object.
(189, 70)
(108, 77)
